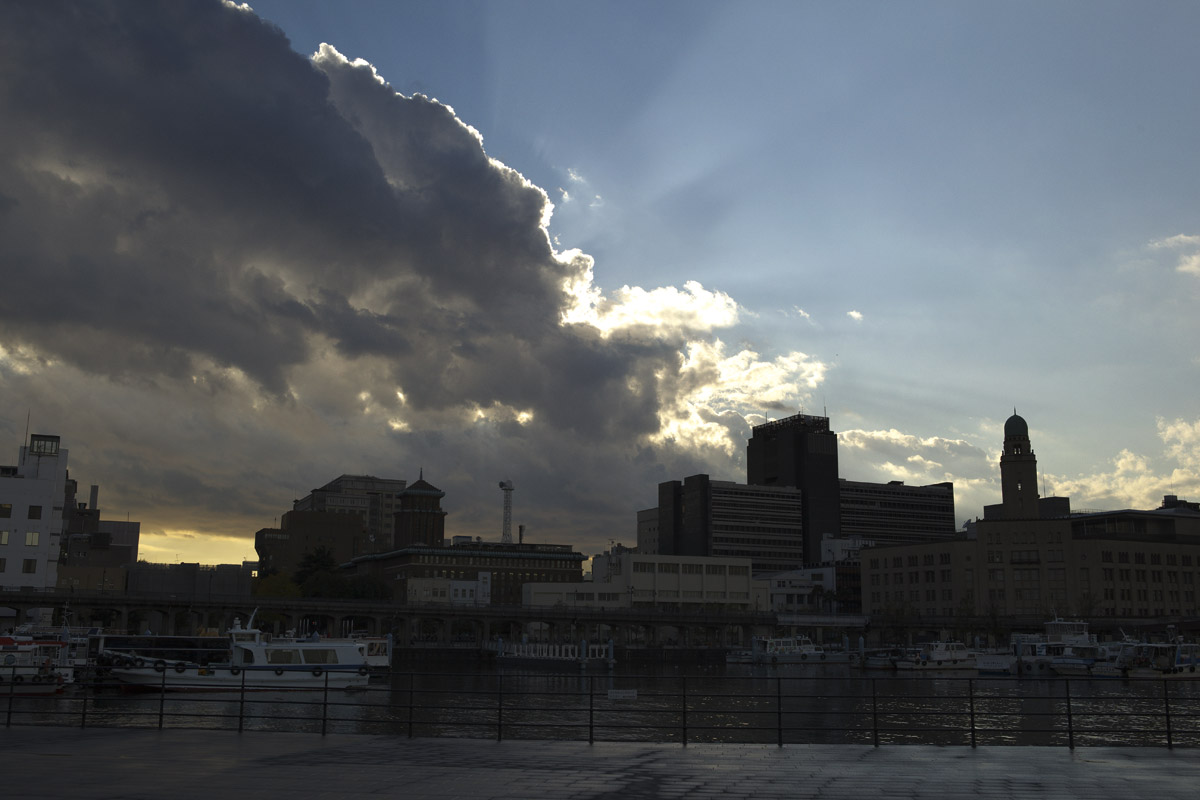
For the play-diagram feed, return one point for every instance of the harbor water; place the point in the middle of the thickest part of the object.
(669, 703)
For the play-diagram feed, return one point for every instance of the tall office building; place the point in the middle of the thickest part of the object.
(375, 500)
(703, 517)
(800, 451)
(893, 512)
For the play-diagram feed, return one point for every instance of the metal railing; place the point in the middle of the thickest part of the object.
(778, 710)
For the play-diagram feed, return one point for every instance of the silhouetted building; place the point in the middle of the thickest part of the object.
(374, 500)
(280, 550)
(722, 519)
(1031, 557)
(894, 512)
(420, 519)
(801, 452)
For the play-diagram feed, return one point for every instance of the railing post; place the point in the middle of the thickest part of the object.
(242, 703)
(779, 710)
(325, 705)
(12, 690)
(591, 709)
(971, 704)
(874, 714)
(500, 707)
(83, 711)
(410, 703)
(1167, 710)
(162, 698)
(685, 735)
(1070, 718)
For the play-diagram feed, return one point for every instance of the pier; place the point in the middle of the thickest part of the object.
(70, 762)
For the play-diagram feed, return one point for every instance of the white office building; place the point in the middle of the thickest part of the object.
(31, 515)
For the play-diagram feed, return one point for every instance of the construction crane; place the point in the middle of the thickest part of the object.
(506, 533)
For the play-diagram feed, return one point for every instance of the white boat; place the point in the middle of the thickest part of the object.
(795, 650)
(1032, 654)
(939, 656)
(34, 665)
(543, 654)
(255, 662)
(1175, 660)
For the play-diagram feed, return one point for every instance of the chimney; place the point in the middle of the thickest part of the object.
(94, 498)
(520, 534)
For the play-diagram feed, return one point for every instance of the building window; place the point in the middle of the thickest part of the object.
(3, 564)
(35, 512)
(714, 569)
(3, 537)
(29, 566)
(31, 538)
(643, 566)
(668, 569)
(5, 510)
(944, 558)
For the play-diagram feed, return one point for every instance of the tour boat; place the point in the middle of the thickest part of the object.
(938, 656)
(1034, 654)
(254, 662)
(794, 650)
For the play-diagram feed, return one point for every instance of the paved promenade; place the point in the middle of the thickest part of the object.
(41, 762)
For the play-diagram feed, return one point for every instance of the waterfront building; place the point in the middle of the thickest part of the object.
(894, 512)
(373, 500)
(281, 550)
(1031, 556)
(622, 578)
(31, 514)
(477, 592)
(801, 452)
(722, 519)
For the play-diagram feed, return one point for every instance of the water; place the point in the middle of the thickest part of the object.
(735, 703)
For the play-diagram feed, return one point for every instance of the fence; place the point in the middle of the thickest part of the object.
(684, 709)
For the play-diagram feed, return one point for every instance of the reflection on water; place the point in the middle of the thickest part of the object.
(735, 703)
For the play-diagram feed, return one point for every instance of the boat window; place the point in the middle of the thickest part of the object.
(283, 656)
(247, 655)
(320, 655)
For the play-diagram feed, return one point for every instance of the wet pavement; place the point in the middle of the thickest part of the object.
(41, 762)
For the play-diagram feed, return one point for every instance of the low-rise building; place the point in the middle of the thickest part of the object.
(625, 579)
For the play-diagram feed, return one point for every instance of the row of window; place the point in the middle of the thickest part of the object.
(28, 565)
(31, 538)
(34, 512)
(913, 561)
(1185, 560)
(689, 569)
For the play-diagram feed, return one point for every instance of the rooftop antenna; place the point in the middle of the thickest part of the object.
(506, 486)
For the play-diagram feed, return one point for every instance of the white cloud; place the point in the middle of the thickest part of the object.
(855, 315)
(1189, 258)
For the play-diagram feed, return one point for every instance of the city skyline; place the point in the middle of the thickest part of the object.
(586, 248)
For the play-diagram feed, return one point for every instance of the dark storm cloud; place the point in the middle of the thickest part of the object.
(181, 189)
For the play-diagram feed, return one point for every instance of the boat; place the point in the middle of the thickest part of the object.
(34, 665)
(939, 656)
(794, 650)
(883, 657)
(254, 662)
(542, 654)
(739, 657)
(1033, 654)
(1174, 660)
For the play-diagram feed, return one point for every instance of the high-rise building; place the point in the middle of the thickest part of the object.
(703, 517)
(375, 500)
(800, 451)
(893, 512)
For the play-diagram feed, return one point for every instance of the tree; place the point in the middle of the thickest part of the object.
(316, 561)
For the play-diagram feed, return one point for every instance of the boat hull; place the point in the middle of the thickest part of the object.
(226, 678)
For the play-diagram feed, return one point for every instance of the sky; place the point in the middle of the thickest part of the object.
(585, 247)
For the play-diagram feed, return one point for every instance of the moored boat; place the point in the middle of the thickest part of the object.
(254, 662)
(795, 650)
(939, 656)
